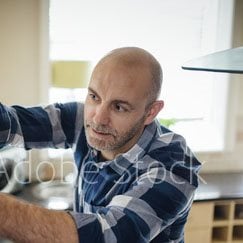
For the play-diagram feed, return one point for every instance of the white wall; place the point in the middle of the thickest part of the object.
(24, 54)
(23, 51)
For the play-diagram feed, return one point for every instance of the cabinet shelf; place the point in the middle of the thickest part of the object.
(238, 232)
(221, 212)
(219, 241)
(238, 214)
(238, 222)
(219, 221)
(220, 233)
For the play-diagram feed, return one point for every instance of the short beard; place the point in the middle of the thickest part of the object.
(119, 140)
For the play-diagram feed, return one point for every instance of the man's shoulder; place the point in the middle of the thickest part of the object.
(167, 140)
(170, 152)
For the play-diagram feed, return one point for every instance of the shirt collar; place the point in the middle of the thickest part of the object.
(125, 160)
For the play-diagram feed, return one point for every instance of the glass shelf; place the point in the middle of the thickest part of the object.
(229, 61)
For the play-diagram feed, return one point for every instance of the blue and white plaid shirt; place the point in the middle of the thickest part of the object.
(143, 195)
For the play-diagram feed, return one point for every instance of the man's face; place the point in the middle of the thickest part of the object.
(115, 108)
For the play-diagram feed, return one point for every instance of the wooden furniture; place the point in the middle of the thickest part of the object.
(217, 221)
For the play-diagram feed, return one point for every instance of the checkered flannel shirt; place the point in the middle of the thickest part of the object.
(143, 195)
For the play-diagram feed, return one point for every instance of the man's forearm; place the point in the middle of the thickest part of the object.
(24, 222)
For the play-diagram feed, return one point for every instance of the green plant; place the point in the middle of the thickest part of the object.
(167, 122)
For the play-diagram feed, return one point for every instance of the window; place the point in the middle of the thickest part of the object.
(175, 31)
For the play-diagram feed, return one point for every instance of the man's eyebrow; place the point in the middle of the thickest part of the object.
(123, 102)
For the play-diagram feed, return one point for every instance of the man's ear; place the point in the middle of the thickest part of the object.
(154, 109)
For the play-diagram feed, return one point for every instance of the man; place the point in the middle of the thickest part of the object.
(136, 178)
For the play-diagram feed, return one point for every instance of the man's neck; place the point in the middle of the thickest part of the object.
(106, 156)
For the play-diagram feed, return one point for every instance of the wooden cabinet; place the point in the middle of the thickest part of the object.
(215, 222)
(199, 224)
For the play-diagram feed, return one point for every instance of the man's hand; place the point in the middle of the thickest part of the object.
(24, 222)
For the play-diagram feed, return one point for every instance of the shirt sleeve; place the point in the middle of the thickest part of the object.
(54, 126)
(157, 204)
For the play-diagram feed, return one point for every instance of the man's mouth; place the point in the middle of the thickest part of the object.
(100, 132)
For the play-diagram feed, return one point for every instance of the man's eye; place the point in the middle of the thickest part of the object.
(120, 108)
(93, 97)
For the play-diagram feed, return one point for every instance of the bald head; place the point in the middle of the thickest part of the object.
(134, 57)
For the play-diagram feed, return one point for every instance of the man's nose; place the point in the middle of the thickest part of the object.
(101, 115)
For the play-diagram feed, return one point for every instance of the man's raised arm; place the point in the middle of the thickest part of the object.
(53, 126)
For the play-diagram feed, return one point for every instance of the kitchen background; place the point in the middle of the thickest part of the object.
(206, 108)
(25, 75)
